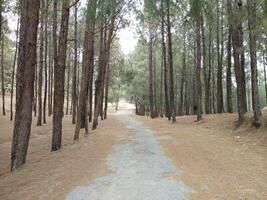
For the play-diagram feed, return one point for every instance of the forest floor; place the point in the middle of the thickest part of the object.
(52, 175)
(199, 160)
(217, 160)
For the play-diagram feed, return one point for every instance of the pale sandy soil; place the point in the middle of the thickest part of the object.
(217, 161)
(49, 175)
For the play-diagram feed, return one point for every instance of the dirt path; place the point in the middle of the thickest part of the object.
(140, 168)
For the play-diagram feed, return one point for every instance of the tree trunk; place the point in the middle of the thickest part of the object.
(150, 66)
(183, 78)
(103, 61)
(2, 74)
(106, 92)
(164, 60)
(13, 70)
(205, 71)
(236, 17)
(2, 63)
(41, 64)
(45, 61)
(87, 64)
(219, 73)
(59, 78)
(68, 83)
(252, 5)
(172, 103)
(25, 81)
(74, 72)
(198, 68)
(229, 71)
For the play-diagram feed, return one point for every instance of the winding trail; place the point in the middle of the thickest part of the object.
(141, 171)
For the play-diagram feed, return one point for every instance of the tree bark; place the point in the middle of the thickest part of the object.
(198, 68)
(74, 72)
(87, 64)
(219, 73)
(25, 81)
(59, 78)
(45, 61)
(41, 64)
(172, 103)
(164, 60)
(236, 17)
(252, 4)
(13, 70)
(229, 71)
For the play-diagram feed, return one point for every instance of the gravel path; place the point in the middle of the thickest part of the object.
(141, 171)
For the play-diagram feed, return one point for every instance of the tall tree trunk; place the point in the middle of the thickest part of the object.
(104, 59)
(106, 92)
(229, 71)
(198, 68)
(183, 78)
(150, 66)
(55, 50)
(45, 61)
(41, 64)
(208, 86)
(50, 76)
(172, 103)
(68, 83)
(74, 72)
(59, 78)
(205, 68)
(252, 5)
(219, 73)
(164, 60)
(13, 70)
(87, 64)
(2, 74)
(25, 81)
(2, 58)
(236, 17)
(265, 79)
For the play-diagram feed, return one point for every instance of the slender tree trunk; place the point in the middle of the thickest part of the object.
(106, 92)
(45, 61)
(172, 103)
(2, 74)
(183, 79)
(68, 83)
(41, 64)
(229, 71)
(205, 71)
(74, 72)
(59, 77)
(252, 5)
(265, 79)
(25, 81)
(150, 65)
(104, 59)
(208, 86)
(236, 17)
(2, 62)
(55, 50)
(164, 60)
(50, 64)
(87, 64)
(13, 70)
(219, 73)
(198, 69)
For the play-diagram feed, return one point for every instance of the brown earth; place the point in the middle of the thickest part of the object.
(51, 175)
(217, 160)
